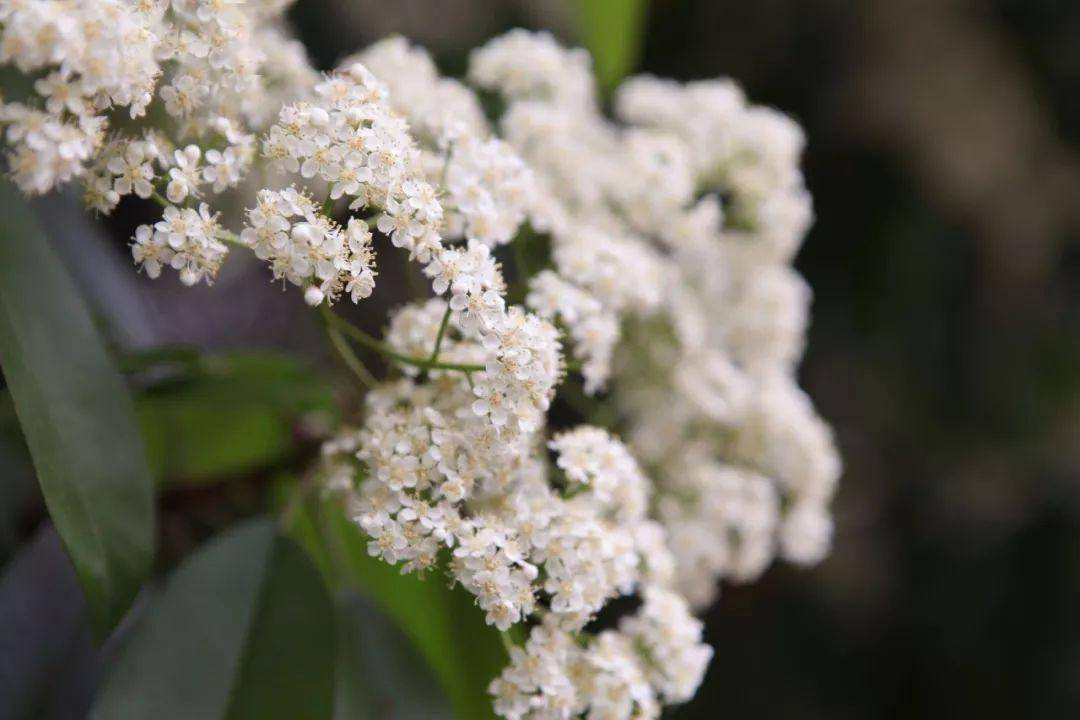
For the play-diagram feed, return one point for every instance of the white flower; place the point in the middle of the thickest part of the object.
(134, 171)
(61, 93)
(490, 187)
(185, 176)
(151, 250)
(671, 639)
(806, 532)
(191, 239)
(308, 249)
(524, 64)
(224, 169)
(593, 329)
(592, 457)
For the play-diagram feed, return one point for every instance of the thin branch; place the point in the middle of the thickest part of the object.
(348, 357)
(439, 338)
(361, 337)
(508, 643)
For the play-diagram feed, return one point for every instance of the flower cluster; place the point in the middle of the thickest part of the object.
(653, 658)
(591, 457)
(440, 110)
(216, 69)
(443, 480)
(521, 64)
(185, 240)
(721, 521)
(487, 189)
(667, 236)
(309, 249)
(593, 329)
(680, 223)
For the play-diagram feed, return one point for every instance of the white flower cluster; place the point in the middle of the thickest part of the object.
(668, 235)
(677, 227)
(591, 457)
(443, 479)
(721, 522)
(593, 329)
(185, 240)
(440, 109)
(445, 487)
(487, 188)
(217, 68)
(653, 658)
(529, 65)
(309, 249)
(349, 141)
(752, 152)
(586, 170)
(90, 57)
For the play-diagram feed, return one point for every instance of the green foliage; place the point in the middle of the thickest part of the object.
(231, 414)
(246, 628)
(612, 30)
(443, 623)
(379, 672)
(77, 418)
(243, 629)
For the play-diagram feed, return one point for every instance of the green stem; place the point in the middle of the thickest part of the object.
(355, 333)
(224, 235)
(349, 358)
(439, 338)
(231, 238)
(337, 327)
(508, 643)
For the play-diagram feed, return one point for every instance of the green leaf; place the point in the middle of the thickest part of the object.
(379, 672)
(443, 623)
(195, 437)
(243, 629)
(612, 31)
(77, 418)
(230, 414)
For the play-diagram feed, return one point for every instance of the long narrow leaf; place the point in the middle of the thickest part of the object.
(243, 629)
(442, 623)
(379, 672)
(77, 418)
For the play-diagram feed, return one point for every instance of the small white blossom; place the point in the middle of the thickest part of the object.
(308, 249)
(187, 239)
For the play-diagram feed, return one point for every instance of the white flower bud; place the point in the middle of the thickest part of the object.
(313, 296)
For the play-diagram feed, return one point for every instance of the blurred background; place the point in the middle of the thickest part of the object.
(945, 350)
